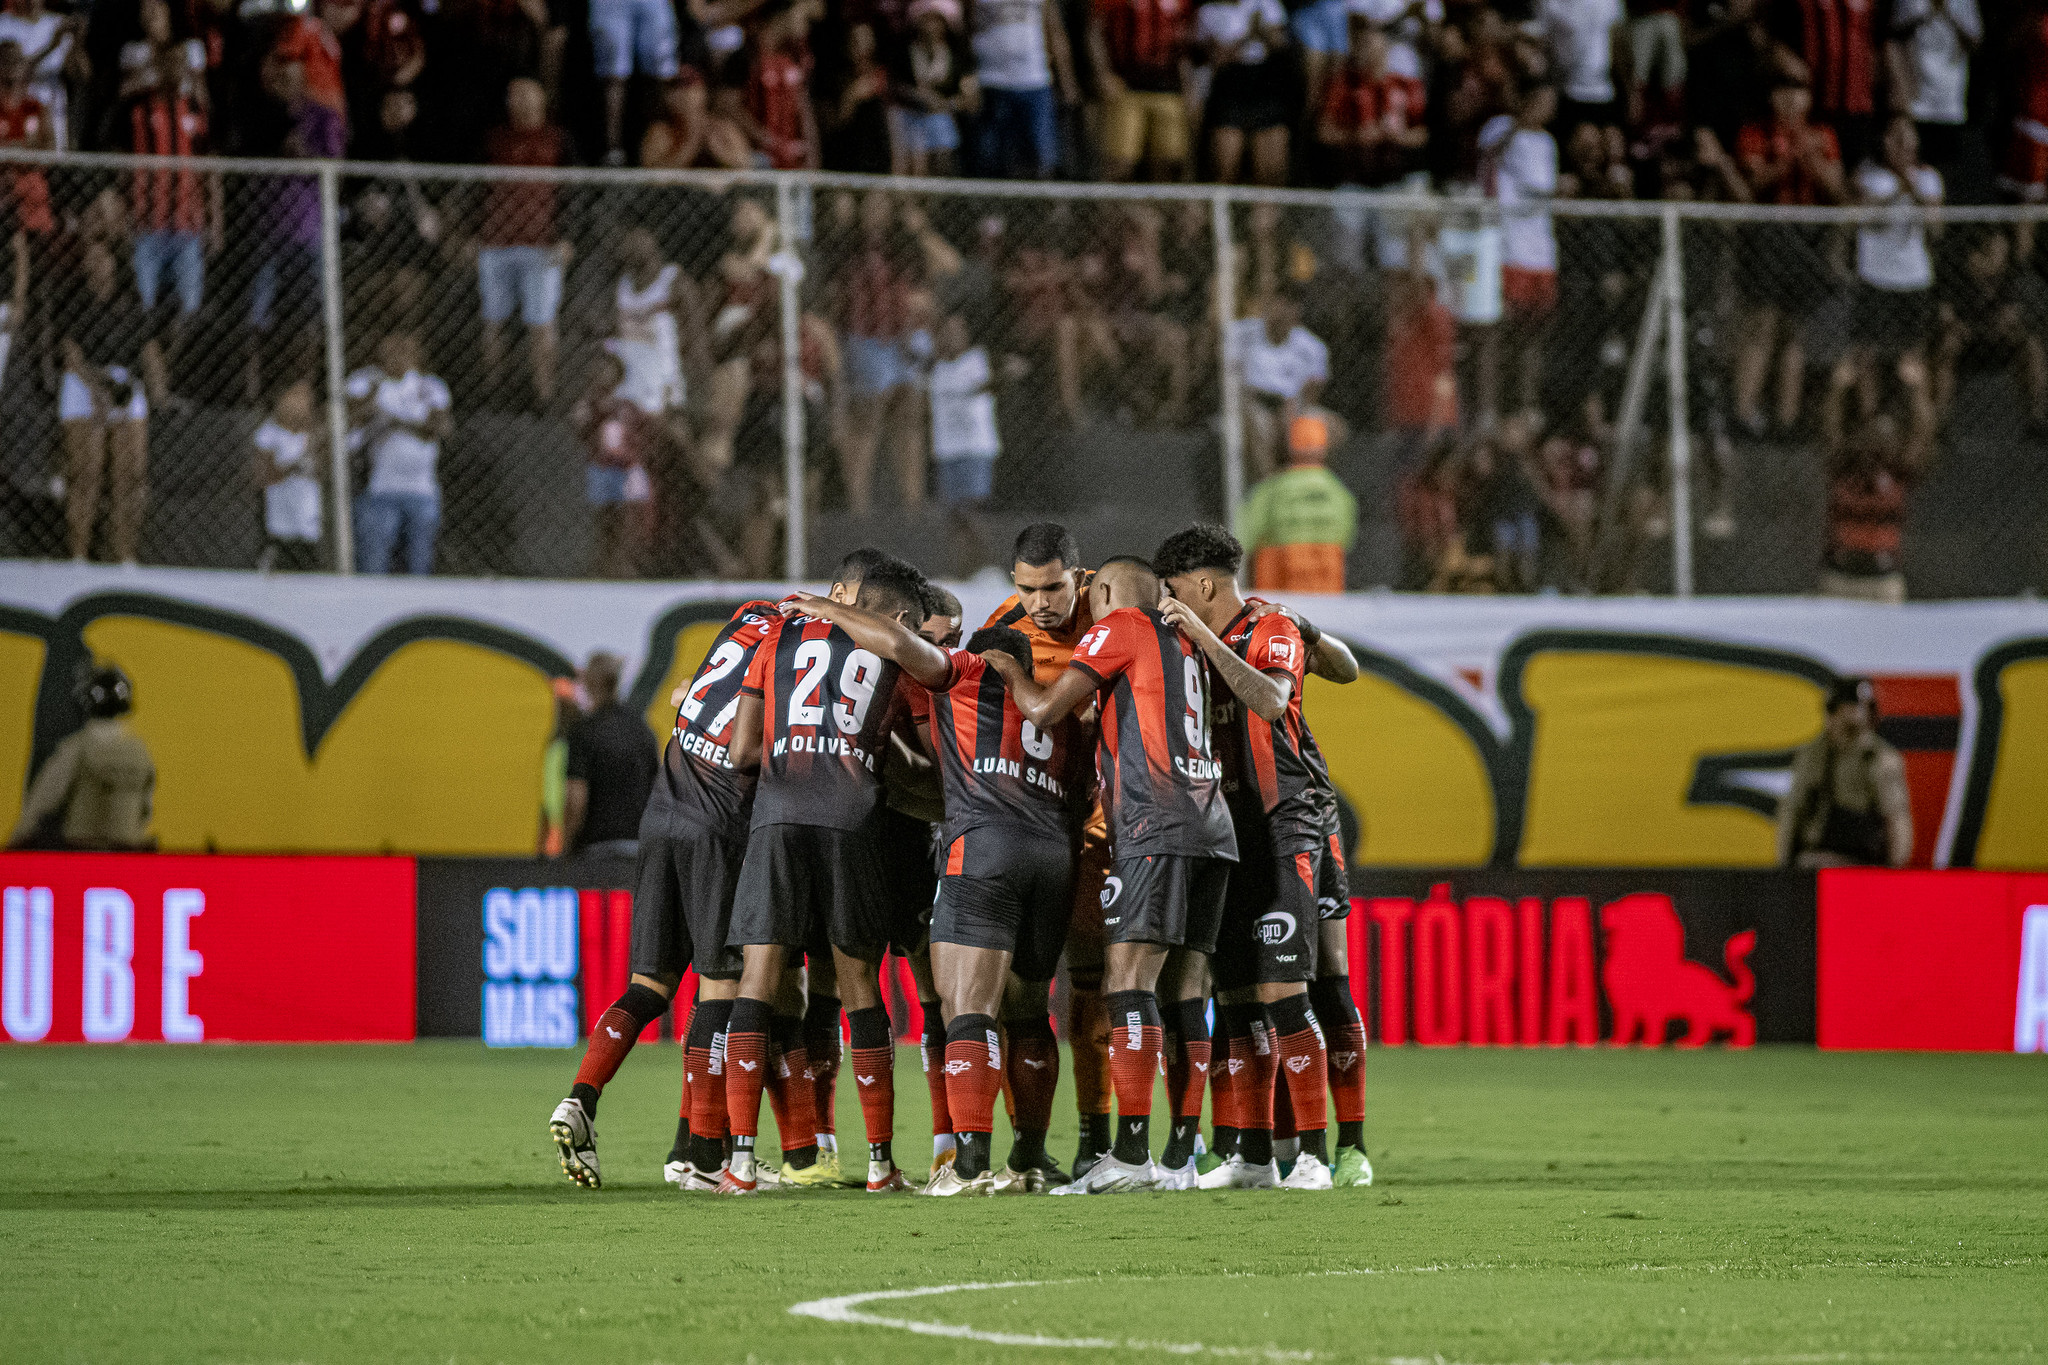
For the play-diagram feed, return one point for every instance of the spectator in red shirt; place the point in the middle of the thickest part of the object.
(1835, 41)
(784, 125)
(25, 210)
(1139, 50)
(521, 249)
(1780, 266)
(1422, 353)
(309, 40)
(176, 215)
(1372, 119)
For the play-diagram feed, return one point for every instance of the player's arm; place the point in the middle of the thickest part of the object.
(1265, 693)
(1044, 707)
(910, 781)
(1329, 658)
(885, 637)
(744, 749)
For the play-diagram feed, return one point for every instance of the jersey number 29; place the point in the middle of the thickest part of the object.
(856, 687)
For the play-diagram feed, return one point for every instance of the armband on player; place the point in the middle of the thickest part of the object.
(1310, 636)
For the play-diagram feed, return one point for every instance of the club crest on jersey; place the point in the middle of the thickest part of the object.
(1276, 926)
(1112, 887)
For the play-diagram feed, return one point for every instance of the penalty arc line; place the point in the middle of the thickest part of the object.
(845, 1308)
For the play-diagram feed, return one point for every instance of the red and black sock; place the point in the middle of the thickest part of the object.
(1344, 1032)
(746, 1069)
(618, 1028)
(823, 1045)
(1255, 1092)
(874, 1071)
(1089, 1042)
(1032, 1063)
(1304, 1066)
(789, 1094)
(1187, 1075)
(933, 1053)
(704, 1063)
(1136, 1039)
(1230, 1070)
(974, 1074)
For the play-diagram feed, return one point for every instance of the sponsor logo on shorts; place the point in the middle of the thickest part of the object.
(1112, 887)
(1275, 927)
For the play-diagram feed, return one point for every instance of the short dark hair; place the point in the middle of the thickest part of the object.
(892, 587)
(939, 602)
(1042, 542)
(1003, 640)
(1136, 561)
(1204, 545)
(855, 568)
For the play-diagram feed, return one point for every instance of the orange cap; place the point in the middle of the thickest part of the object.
(1308, 435)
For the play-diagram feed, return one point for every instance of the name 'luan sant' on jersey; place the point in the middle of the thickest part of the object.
(1161, 784)
(998, 768)
(828, 707)
(1272, 768)
(697, 772)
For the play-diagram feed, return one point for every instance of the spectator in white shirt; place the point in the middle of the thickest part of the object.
(54, 58)
(1252, 100)
(1281, 367)
(400, 416)
(1929, 64)
(1894, 311)
(1589, 47)
(1518, 167)
(965, 443)
(288, 456)
(1020, 56)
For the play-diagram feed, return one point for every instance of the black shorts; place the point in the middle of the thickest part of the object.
(682, 897)
(910, 878)
(804, 886)
(1333, 882)
(1010, 892)
(1253, 98)
(1269, 922)
(1170, 898)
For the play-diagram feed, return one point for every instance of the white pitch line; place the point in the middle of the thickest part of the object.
(845, 1308)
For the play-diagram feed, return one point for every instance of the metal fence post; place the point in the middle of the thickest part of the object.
(789, 269)
(1226, 317)
(337, 400)
(1681, 430)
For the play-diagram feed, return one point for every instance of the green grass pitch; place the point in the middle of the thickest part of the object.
(403, 1204)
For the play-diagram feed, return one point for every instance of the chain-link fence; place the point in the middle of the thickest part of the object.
(381, 368)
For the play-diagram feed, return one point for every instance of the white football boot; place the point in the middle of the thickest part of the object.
(947, 1182)
(1111, 1176)
(1178, 1178)
(1239, 1174)
(575, 1137)
(1309, 1173)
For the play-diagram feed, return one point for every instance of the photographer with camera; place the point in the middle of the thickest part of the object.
(113, 367)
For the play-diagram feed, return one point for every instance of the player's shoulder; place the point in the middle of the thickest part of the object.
(1009, 613)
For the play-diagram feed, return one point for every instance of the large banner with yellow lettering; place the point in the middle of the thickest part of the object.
(319, 714)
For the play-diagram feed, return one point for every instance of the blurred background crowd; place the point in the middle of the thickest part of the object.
(562, 375)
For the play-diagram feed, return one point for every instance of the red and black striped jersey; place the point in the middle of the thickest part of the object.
(827, 709)
(1273, 774)
(999, 769)
(697, 772)
(1161, 784)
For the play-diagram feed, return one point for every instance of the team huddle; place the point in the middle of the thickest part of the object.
(1113, 773)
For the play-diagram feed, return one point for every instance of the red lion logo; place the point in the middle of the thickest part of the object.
(1649, 982)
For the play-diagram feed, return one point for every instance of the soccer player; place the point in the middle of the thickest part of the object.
(824, 709)
(1169, 830)
(1051, 609)
(1004, 901)
(693, 836)
(1266, 953)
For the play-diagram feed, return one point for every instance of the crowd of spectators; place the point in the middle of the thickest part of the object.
(940, 337)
